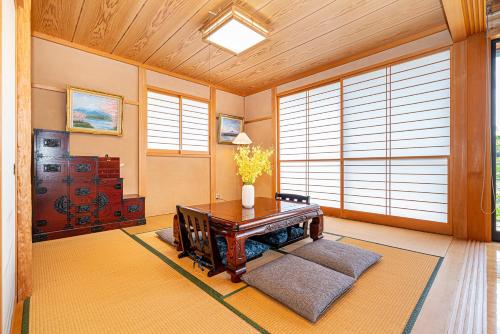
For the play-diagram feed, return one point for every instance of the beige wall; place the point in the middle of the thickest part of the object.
(57, 66)
(228, 184)
(169, 180)
(258, 106)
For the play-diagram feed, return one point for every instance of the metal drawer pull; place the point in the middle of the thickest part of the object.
(51, 142)
(52, 168)
(83, 168)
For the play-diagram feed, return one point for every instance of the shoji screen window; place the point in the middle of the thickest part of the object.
(309, 144)
(397, 139)
(177, 124)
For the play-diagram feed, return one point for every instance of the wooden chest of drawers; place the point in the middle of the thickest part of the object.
(75, 195)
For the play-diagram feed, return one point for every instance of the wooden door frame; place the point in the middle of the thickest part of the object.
(495, 235)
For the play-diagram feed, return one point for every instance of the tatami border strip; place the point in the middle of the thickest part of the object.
(210, 291)
(421, 300)
(25, 325)
(235, 291)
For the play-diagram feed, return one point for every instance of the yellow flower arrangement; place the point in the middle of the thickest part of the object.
(252, 162)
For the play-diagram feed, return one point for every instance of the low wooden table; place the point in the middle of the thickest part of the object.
(237, 224)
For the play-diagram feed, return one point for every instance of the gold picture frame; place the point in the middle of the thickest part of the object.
(94, 112)
(228, 128)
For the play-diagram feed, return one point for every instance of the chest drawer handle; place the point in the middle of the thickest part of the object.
(82, 191)
(83, 208)
(133, 208)
(51, 142)
(41, 190)
(52, 168)
(83, 168)
(118, 186)
(83, 220)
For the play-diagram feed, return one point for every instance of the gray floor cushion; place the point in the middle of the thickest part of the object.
(167, 235)
(304, 286)
(347, 259)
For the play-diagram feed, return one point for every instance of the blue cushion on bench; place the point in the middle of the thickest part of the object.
(252, 248)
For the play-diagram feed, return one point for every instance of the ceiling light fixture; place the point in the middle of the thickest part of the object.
(234, 30)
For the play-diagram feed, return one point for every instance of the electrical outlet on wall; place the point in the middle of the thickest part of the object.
(217, 196)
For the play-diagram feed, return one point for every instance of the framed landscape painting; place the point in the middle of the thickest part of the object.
(94, 112)
(229, 128)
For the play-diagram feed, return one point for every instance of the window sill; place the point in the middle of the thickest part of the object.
(166, 153)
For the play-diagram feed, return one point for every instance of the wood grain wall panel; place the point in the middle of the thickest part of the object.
(23, 152)
(56, 18)
(347, 45)
(309, 27)
(156, 23)
(103, 23)
(187, 41)
(478, 147)
(458, 128)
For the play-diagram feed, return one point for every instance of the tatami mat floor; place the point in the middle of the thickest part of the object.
(128, 281)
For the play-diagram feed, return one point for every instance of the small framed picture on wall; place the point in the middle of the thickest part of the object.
(89, 111)
(229, 127)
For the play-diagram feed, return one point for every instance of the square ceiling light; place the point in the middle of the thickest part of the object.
(234, 30)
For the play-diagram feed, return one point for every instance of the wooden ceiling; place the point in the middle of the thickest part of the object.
(306, 34)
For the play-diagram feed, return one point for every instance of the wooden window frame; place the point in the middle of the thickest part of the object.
(180, 153)
(397, 221)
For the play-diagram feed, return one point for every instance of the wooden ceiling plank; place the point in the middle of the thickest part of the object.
(282, 14)
(348, 47)
(103, 23)
(343, 37)
(156, 23)
(187, 41)
(305, 30)
(56, 18)
(455, 16)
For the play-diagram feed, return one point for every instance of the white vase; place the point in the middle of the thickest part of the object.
(248, 196)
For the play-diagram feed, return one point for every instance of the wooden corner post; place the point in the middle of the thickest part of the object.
(23, 150)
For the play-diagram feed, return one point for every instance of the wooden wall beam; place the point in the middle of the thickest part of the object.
(458, 143)
(213, 142)
(478, 143)
(23, 151)
(142, 120)
(456, 20)
(275, 171)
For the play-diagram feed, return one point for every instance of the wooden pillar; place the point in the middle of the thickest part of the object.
(213, 142)
(143, 120)
(458, 143)
(478, 143)
(275, 167)
(23, 152)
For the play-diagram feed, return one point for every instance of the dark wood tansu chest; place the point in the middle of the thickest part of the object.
(74, 195)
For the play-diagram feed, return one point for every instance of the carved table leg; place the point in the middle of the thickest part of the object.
(236, 257)
(176, 233)
(316, 227)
